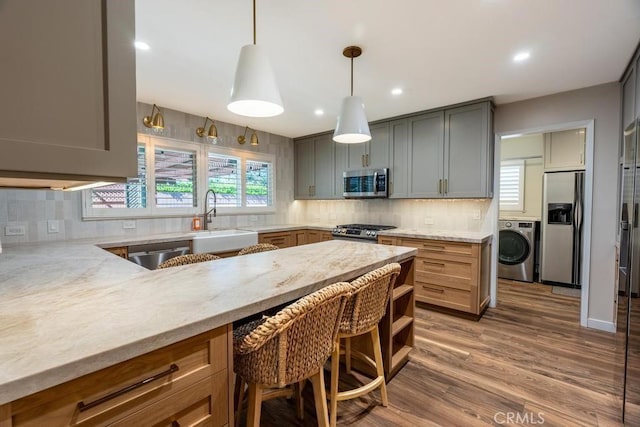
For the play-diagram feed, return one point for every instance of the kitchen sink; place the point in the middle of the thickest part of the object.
(222, 240)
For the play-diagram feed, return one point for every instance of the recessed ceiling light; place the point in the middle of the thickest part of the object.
(141, 45)
(396, 91)
(521, 56)
(319, 112)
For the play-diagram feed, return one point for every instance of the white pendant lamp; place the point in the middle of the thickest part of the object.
(352, 126)
(254, 92)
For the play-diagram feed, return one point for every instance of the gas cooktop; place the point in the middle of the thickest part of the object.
(360, 231)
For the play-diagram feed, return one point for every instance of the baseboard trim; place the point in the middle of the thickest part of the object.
(601, 325)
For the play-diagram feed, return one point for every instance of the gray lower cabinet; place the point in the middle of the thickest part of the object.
(68, 102)
(314, 167)
(372, 154)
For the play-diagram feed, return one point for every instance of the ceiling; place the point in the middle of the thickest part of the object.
(439, 52)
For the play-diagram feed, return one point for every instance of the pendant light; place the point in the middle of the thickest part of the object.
(352, 124)
(254, 92)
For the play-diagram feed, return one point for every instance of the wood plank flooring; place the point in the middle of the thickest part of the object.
(527, 359)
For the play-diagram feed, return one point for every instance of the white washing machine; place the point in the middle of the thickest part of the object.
(516, 250)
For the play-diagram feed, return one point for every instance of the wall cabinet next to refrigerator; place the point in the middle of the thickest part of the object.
(564, 150)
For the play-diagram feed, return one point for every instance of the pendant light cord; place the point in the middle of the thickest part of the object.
(254, 21)
(351, 75)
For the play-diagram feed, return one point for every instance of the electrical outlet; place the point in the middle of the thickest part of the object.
(475, 214)
(15, 230)
(53, 226)
(428, 221)
(129, 225)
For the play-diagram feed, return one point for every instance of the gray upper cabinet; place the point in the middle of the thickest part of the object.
(468, 148)
(399, 161)
(372, 154)
(446, 153)
(304, 168)
(68, 103)
(315, 176)
(426, 154)
(637, 86)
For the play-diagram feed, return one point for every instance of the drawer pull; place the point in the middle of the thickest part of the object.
(440, 291)
(441, 264)
(433, 248)
(84, 406)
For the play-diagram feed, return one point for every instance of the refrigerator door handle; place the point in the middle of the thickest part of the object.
(577, 226)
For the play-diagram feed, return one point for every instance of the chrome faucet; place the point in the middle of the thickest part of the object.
(207, 211)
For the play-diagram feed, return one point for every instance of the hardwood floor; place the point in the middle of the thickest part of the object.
(527, 359)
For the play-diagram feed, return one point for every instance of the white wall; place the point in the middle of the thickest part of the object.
(32, 208)
(602, 104)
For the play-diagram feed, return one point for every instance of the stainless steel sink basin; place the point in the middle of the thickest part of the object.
(222, 240)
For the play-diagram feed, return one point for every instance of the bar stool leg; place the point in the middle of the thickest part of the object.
(335, 376)
(347, 354)
(239, 392)
(255, 405)
(377, 352)
(320, 397)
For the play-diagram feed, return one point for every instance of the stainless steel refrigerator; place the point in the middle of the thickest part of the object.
(562, 214)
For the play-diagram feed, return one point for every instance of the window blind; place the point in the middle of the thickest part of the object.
(224, 178)
(175, 178)
(512, 185)
(259, 178)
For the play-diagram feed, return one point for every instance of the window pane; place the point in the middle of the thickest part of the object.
(259, 183)
(131, 195)
(512, 185)
(224, 178)
(175, 178)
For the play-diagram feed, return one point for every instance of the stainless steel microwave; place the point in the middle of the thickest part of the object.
(366, 183)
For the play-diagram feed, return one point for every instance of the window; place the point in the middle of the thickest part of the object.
(175, 180)
(512, 185)
(132, 195)
(223, 177)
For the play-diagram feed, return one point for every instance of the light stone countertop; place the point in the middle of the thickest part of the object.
(70, 308)
(288, 227)
(454, 236)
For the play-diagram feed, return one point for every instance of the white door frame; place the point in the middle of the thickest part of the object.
(588, 206)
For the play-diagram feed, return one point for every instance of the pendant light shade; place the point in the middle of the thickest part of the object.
(352, 127)
(255, 92)
(352, 122)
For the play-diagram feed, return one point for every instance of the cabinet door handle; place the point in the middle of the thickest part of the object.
(446, 186)
(362, 160)
(84, 406)
(367, 159)
(438, 290)
(439, 186)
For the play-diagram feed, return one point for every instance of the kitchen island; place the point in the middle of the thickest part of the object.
(71, 309)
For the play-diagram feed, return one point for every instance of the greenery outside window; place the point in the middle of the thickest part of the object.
(170, 186)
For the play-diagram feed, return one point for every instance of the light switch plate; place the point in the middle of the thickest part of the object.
(53, 226)
(15, 230)
(476, 214)
(428, 221)
(129, 225)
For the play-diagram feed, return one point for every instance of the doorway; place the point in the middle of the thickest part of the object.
(537, 163)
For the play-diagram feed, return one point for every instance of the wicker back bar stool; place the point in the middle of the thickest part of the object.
(363, 311)
(260, 247)
(187, 259)
(288, 348)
